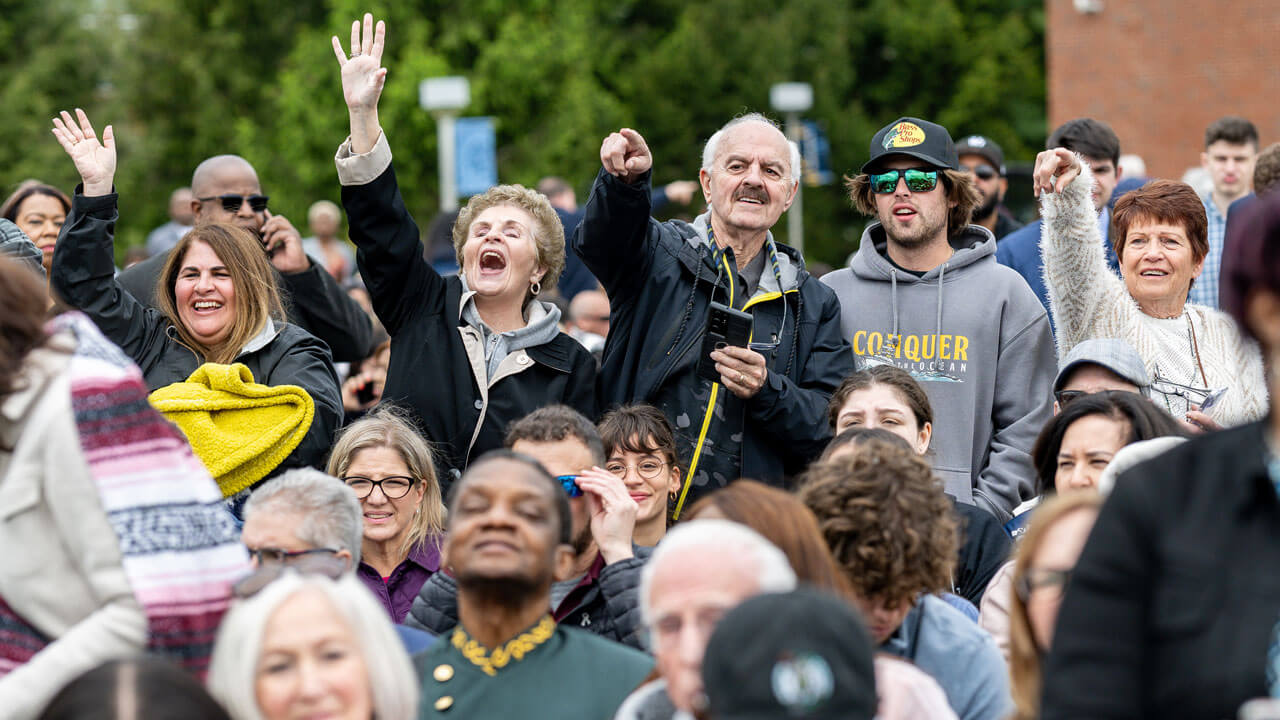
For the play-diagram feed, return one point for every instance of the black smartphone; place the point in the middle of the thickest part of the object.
(725, 326)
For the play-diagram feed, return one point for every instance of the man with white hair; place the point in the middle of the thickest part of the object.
(700, 570)
(302, 513)
(751, 408)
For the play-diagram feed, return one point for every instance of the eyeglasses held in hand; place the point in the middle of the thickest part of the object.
(647, 469)
(319, 561)
(983, 172)
(394, 487)
(918, 180)
(232, 203)
(570, 485)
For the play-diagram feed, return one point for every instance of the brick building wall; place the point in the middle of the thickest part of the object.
(1159, 71)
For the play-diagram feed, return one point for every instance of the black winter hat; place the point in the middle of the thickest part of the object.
(802, 654)
(915, 137)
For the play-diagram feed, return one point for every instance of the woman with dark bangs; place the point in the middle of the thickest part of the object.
(641, 449)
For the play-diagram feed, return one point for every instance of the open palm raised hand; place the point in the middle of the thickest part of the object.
(362, 74)
(95, 161)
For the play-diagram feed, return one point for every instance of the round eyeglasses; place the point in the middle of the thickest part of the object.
(394, 487)
(647, 469)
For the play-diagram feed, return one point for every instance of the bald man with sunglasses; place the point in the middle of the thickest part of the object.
(924, 293)
(225, 189)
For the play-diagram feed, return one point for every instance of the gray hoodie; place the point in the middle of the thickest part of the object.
(973, 334)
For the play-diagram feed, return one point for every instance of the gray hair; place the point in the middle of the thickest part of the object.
(713, 143)
(330, 513)
(711, 536)
(233, 668)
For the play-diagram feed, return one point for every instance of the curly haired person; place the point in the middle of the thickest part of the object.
(890, 528)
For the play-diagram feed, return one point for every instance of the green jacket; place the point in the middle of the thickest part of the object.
(548, 671)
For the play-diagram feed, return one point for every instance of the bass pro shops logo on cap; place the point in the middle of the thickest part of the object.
(904, 134)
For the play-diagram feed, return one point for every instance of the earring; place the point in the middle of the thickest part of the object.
(535, 287)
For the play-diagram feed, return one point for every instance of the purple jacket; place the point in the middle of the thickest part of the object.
(398, 591)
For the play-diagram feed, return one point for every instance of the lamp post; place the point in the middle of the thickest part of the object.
(444, 98)
(793, 98)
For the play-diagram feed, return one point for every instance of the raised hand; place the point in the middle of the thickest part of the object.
(95, 161)
(625, 155)
(362, 80)
(613, 513)
(1054, 170)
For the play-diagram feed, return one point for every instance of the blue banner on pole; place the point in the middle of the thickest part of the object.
(816, 151)
(477, 166)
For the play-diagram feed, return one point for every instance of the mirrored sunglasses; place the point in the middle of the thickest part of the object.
(918, 180)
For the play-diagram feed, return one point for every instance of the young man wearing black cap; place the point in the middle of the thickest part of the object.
(924, 293)
(983, 161)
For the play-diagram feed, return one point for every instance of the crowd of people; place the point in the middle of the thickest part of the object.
(597, 465)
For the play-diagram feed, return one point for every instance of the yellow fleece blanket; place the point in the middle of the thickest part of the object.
(239, 429)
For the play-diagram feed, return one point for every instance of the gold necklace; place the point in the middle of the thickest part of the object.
(514, 649)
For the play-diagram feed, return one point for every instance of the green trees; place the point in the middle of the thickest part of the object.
(191, 78)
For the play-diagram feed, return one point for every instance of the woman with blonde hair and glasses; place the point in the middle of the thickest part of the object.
(392, 471)
(1041, 571)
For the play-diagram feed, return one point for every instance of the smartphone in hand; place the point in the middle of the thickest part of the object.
(725, 326)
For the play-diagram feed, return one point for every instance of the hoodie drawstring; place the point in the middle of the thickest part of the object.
(937, 334)
(893, 278)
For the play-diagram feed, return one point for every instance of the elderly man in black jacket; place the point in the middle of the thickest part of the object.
(764, 418)
(600, 593)
(226, 190)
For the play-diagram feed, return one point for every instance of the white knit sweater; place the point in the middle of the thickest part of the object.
(1088, 301)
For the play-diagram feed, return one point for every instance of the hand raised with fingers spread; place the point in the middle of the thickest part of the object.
(95, 161)
(1054, 170)
(362, 75)
(625, 155)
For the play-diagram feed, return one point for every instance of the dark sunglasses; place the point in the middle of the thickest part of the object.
(984, 172)
(232, 203)
(918, 180)
(570, 485)
(1065, 396)
(305, 562)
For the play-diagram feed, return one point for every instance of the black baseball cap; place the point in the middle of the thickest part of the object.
(985, 147)
(801, 654)
(915, 137)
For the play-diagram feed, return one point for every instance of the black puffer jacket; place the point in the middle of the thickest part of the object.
(431, 372)
(83, 275)
(609, 607)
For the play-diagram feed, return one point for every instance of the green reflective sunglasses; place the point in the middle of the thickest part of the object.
(917, 180)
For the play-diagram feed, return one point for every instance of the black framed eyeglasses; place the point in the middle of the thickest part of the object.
(982, 172)
(1040, 578)
(394, 487)
(276, 556)
(918, 180)
(1065, 396)
(570, 485)
(647, 469)
(232, 203)
(320, 561)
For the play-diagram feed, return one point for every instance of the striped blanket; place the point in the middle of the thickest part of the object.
(179, 544)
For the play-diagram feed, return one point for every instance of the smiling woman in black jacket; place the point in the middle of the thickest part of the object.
(470, 353)
(218, 298)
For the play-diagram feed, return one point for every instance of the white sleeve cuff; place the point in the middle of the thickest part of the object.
(364, 168)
